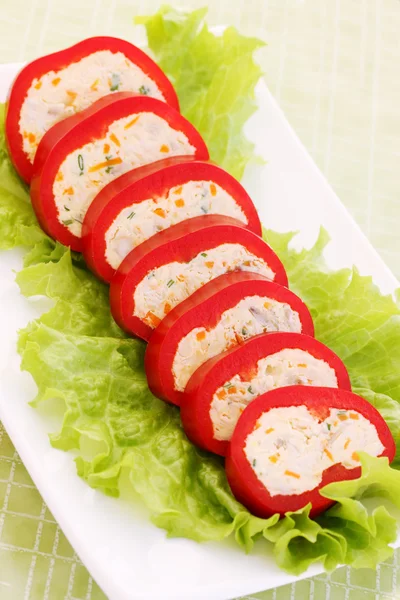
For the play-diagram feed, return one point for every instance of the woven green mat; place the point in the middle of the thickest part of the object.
(333, 66)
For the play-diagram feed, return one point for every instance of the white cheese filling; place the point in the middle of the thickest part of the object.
(166, 286)
(60, 94)
(289, 449)
(286, 367)
(251, 315)
(141, 220)
(129, 142)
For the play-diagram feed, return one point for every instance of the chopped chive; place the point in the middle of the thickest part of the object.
(131, 215)
(109, 169)
(228, 385)
(150, 275)
(204, 253)
(80, 163)
(66, 208)
(329, 426)
(244, 331)
(250, 390)
(170, 282)
(254, 462)
(342, 412)
(115, 82)
(204, 209)
(108, 157)
(68, 222)
(144, 90)
(78, 221)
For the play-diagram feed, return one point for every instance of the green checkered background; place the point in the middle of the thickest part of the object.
(334, 67)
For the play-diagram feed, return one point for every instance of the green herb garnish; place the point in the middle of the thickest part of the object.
(66, 208)
(250, 390)
(115, 82)
(254, 462)
(170, 282)
(145, 91)
(80, 163)
(228, 385)
(204, 254)
(329, 426)
(68, 222)
(131, 215)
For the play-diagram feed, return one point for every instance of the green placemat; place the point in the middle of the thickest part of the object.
(333, 66)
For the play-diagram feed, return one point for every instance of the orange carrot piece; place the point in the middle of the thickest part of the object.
(106, 163)
(56, 81)
(179, 203)
(213, 189)
(152, 318)
(209, 264)
(69, 191)
(135, 120)
(38, 85)
(72, 95)
(164, 148)
(178, 190)
(114, 139)
(160, 212)
(292, 474)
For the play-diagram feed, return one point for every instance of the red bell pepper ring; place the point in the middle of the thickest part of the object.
(247, 475)
(229, 380)
(197, 318)
(196, 245)
(160, 180)
(66, 141)
(30, 77)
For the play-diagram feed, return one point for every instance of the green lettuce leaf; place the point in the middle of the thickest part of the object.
(18, 224)
(214, 77)
(129, 442)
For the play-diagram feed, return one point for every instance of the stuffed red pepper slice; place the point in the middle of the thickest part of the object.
(291, 442)
(222, 314)
(219, 391)
(80, 155)
(150, 199)
(59, 85)
(170, 266)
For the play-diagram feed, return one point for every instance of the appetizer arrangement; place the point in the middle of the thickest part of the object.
(118, 174)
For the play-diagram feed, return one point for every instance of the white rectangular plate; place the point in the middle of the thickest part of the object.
(125, 553)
